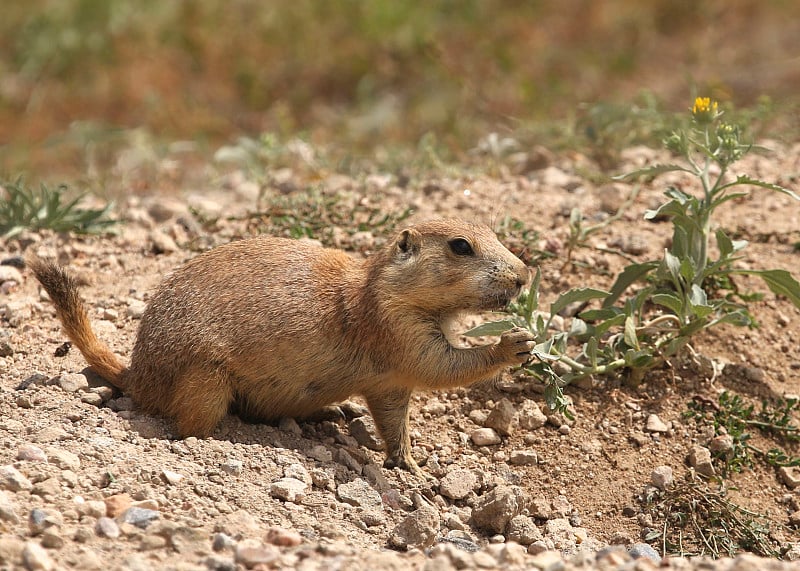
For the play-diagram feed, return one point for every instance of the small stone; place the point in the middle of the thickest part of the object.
(117, 504)
(503, 418)
(655, 424)
(52, 539)
(110, 314)
(135, 309)
(41, 519)
(359, 493)
(545, 560)
(523, 530)
(458, 483)
(661, 477)
(531, 416)
(151, 542)
(162, 243)
(63, 459)
(484, 560)
(10, 274)
(140, 517)
(485, 437)
(288, 489)
(643, 550)
(251, 553)
(283, 537)
(540, 508)
(31, 453)
(10, 550)
(320, 453)
(790, 475)
(72, 382)
(92, 398)
(12, 479)
(172, 478)
(106, 527)
(217, 563)
(35, 557)
(222, 541)
(395, 500)
(523, 457)
(494, 510)
(366, 434)
(722, 444)
(700, 460)
(232, 467)
(417, 530)
(49, 488)
(7, 510)
(298, 472)
(288, 424)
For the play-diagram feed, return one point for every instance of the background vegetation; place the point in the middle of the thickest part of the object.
(362, 73)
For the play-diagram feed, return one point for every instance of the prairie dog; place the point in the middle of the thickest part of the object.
(281, 328)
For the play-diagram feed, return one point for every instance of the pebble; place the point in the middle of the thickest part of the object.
(722, 444)
(31, 453)
(92, 398)
(106, 527)
(140, 517)
(41, 519)
(320, 453)
(283, 537)
(298, 472)
(485, 437)
(12, 479)
(162, 243)
(49, 488)
(417, 530)
(35, 557)
(288, 489)
(661, 477)
(63, 459)
(503, 418)
(172, 478)
(232, 467)
(495, 509)
(458, 483)
(117, 504)
(523, 530)
(531, 416)
(644, 550)
(359, 493)
(135, 309)
(251, 553)
(7, 510)
(655, 424)
(366, 434)
(700, 460)
(523, 457)
(222, 541)
(72, 382)
(10, 274)
(789, 475)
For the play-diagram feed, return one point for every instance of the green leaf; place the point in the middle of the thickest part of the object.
(780, 282)
(675, 345)
(652, 171)
(630, 333)
(628, 276)
(492, 328)
(599, 314)
(591, 351)
(575, 295)
(673, 264)
(724, 244)
(604, 326)
(744, 179)
(670, 301)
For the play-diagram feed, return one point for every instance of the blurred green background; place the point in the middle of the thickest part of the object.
(363, 73)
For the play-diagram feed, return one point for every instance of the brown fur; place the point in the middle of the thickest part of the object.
(282, 328)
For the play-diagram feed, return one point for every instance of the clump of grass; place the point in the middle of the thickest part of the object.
(737, 418)
(24, 208)
(694, 520)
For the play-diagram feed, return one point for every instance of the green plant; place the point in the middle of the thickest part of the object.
(735, 417)
(695, 520)
(684, 292)
(24, 208)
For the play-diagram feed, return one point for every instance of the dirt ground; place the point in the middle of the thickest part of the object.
(79, 447)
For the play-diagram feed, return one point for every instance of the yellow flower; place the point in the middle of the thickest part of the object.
(705, 110)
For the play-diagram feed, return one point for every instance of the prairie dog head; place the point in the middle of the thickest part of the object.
(448, 266)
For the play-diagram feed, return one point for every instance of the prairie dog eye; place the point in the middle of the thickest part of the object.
(460, 247)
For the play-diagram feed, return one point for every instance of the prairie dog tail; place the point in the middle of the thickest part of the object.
(63, 292)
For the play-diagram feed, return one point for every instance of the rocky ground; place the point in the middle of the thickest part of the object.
(88, 482)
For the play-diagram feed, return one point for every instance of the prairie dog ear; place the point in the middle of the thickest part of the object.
(407, 243)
